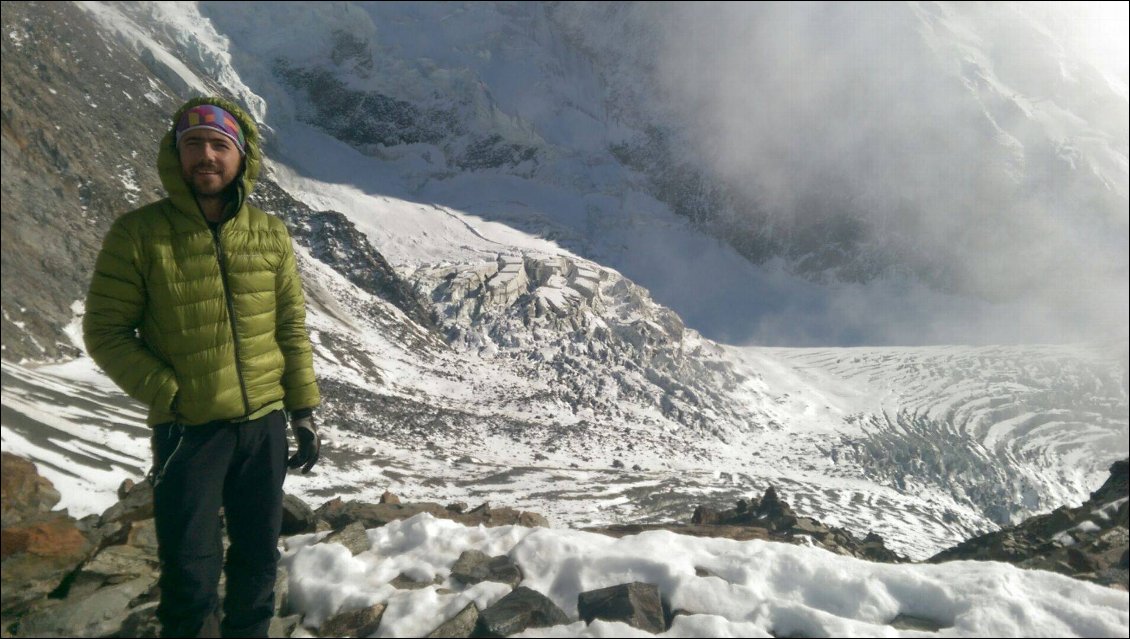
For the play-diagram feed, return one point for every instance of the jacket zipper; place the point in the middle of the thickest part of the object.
(231, 318)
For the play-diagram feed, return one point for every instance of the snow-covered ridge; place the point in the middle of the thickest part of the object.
(515, 113)
(560, 365)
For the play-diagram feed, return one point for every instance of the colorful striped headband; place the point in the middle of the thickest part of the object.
(212, 117)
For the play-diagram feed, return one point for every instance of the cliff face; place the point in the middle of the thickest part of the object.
(81, 120)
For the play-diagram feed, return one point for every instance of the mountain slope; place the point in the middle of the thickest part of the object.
(480, 289)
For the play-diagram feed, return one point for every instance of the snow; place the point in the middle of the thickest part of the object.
(797, 405)
(162, 62)
(746, 588)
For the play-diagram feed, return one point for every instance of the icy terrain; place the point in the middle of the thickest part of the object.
(470, 146)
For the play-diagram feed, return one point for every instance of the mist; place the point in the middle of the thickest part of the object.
(979, 156)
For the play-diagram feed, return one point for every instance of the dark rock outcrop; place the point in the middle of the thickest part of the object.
(772, 519)
(353, 537)
(23, 493)
(354, 623)
(636, 604)
(340, 513)
(474, 566)
(461, 625)
(38, 547)
(297, 516)
(1089, 542)
(521, 609)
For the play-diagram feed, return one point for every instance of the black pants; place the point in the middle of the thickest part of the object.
(240, 466)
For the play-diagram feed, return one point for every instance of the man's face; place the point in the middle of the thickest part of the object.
(209, 161)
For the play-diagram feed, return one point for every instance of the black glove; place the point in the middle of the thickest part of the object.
(306, 433)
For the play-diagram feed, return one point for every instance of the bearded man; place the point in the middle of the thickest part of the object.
(196, 310)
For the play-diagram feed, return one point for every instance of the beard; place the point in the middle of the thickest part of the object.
(209, 185)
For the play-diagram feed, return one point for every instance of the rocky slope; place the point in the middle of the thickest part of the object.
(468, 342)
(1086, 542)
(97, 577)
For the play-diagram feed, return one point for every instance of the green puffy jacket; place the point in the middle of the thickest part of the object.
(201, 326)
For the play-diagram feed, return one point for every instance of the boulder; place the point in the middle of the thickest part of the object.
(135, 506)
(141, 621)
(24, 494)
(283, 626)
(36, 558)
(353, 623)
(95, 614)
(474, 566)
(521, 609)
(404, 582)
(1088, 542)
(340, 513)
(461, 625)
(298, 518)
(636, 604)
(113, 565)
(353, 537)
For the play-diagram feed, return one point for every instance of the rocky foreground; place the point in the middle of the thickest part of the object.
(98, 576)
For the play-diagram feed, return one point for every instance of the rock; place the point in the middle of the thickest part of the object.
(911, 622)
(298, 518)
(141, 622)
(532, 520)
(36, 558)
(282, 592)
(353, 623)
(404, 582)
(389, 498)
(135, 506)
(353, 537)
(283, 626)
(143, 534)
(636, 604)
(331, 510)
(809, 526)
(96, 614)
(339, 515)
(704, 516)
(1088, 542)
(1114, 488)
(457, 507)
(461, 625)
(521, 609)
(113, 565)
(124, 488)
(474, 566)
(24, 494)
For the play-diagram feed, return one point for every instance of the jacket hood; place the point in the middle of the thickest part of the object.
(168, 161)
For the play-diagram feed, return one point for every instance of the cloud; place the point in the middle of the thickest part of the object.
(970, 148)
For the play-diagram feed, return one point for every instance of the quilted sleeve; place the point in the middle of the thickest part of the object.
(114, 307)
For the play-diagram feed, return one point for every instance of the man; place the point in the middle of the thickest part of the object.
(196, 310)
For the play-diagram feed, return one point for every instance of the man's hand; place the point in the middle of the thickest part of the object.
(309, 444)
